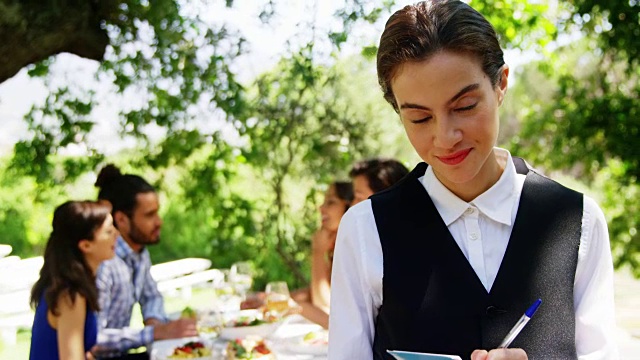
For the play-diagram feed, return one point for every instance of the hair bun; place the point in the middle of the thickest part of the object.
(107, 175)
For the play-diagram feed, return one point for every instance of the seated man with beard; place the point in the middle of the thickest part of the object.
(125, 280)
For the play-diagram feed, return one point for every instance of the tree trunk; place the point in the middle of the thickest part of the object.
(33, 30)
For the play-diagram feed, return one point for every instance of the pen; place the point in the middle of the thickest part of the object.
(520, 324)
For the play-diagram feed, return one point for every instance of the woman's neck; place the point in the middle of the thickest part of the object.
(488, 175)
(93, 266)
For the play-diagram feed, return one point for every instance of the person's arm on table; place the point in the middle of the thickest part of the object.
(314, 301)
(354, 301)
(110, 340)
(175, 329)
(152, 306)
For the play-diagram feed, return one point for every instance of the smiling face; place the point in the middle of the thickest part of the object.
(102, 246)
(449, 110)
(332, 209)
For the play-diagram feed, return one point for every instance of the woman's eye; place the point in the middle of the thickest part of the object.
(419, 121)
(467, 108)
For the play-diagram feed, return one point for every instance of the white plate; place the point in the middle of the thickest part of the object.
(299, 346)
(162, 349)
(241, 332)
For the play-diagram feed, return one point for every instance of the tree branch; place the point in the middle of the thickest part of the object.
(31, 31)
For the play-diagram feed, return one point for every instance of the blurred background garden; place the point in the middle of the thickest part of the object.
(240, 113)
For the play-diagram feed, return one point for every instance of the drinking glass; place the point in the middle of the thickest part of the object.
(241, 278)
(277, 299)
(209, 323)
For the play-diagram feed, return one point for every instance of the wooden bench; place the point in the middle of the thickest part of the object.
(17, 277)
(5, 250)
(18, 274)
(184, 284)
(176, 268)
(15, 313)
(7, 261)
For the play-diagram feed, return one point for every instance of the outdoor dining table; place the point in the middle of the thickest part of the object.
(279, 342)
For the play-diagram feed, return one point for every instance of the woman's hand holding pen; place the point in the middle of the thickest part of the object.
(499, 354)
(502, 352)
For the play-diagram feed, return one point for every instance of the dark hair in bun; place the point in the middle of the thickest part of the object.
(107, 175)
(121, 190)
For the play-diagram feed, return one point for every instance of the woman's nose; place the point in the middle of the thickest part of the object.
(447, 133)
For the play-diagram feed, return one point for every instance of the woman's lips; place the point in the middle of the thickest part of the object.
(455, 158)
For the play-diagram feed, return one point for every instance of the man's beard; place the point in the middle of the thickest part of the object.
(137, 237)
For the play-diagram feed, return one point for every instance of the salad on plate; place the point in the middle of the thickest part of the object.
(191, 350)
(251, 347)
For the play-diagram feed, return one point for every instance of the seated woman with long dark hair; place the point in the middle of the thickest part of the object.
(315, 299)
(65, 297)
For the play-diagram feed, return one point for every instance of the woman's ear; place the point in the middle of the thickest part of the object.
(84, 245)
(503, 83)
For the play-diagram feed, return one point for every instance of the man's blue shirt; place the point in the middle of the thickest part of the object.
(122, 282)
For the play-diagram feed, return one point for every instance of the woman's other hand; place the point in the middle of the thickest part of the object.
(499, 354)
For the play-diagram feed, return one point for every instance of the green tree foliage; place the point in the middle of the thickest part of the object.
(585, 121)
(591, 123)
(161, 53)
(300, 130)
(25, 211)
(303, 123)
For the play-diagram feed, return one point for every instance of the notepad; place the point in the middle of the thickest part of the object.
(408, 355)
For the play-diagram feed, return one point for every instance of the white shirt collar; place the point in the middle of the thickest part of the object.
(495, 203)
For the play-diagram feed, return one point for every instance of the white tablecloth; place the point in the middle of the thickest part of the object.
(282, 342)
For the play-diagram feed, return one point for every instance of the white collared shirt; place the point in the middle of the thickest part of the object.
(481, 228)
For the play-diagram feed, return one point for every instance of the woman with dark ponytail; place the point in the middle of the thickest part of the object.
(65, 297)
(448, 259)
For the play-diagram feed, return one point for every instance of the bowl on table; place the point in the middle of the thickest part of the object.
(243, 323)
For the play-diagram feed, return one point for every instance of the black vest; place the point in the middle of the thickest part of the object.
(434, 302)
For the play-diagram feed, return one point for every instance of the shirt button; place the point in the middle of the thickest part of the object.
(469, 211)
(473, 236)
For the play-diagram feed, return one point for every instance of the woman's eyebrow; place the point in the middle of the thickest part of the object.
(465, 90)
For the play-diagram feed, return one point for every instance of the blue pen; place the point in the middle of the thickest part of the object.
(520, 324)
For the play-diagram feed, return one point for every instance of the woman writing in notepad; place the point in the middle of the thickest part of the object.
(448, 259)
(65, 296)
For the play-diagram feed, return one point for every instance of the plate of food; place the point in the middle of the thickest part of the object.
(251, 347)
(188, 350)
(248, 323)
(314, 343)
